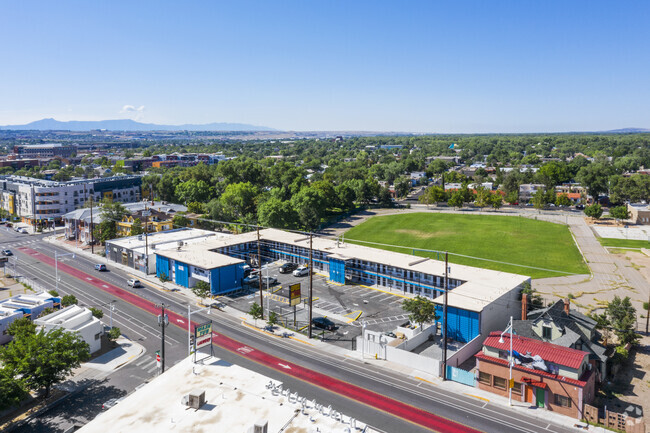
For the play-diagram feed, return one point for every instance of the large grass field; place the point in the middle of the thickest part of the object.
(511, 239)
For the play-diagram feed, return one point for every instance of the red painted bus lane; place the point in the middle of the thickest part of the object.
(377, 401)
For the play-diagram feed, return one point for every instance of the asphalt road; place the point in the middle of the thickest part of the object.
(141, 326)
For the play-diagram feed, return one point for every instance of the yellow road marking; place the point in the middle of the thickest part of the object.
(384, 291)
(358, 314)
(476, 396)
(424, 380)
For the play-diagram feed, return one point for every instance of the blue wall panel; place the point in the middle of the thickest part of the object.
(337, 271)
(182, 274)
(162, 266)
(226, 279)
(462, 325)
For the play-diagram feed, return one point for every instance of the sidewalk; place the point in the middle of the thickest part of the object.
(487, 398)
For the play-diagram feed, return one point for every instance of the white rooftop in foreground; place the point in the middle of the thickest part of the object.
(236, 398)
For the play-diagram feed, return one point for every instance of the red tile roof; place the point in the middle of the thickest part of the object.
(559, 355)
(581, 383)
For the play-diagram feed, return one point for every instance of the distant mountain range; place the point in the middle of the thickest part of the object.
(628, 130)
(128, 125)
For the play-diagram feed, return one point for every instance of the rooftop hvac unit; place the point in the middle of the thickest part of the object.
(180, 244)
(260, 426)
(139, 237)
(194, 399)
(153, 246)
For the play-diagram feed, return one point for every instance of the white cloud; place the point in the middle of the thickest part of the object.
(137, 113)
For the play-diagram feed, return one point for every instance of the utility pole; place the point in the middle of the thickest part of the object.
(92, 231)
(259, 271)
(146, 240)
(444, 319)
(163, 321)
(311, 277)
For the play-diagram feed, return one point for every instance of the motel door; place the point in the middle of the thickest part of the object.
(529, 394)
(540, 397)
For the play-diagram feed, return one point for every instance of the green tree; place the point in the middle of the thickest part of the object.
(539, 199)
(421, 310)
(194, 191)
(594, 177)
(482, 197)
(345, 196)
(277, 214)
(594, 211)
(53, 292)
(68, 300)
(201, 289)
(434, 194)
(180, 220)
(97, 312)
(563, 200)
(196, 207)
(113, 211)
(402, 187)
(623, 318)
(273, 319)
(512, 197)
(456, 199)
(21, 327)
(114, 333)
(12, 389)
(385, 198)
(256, 312)
(603, 324)
(308, 204)
(496, 200)
(535, 301)
(44, 359)
(619, 213)
(105, 231)
(136, 227)
(239, 199)
(45, 312)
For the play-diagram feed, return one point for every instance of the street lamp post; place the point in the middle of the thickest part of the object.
(510, 361)
(56, 265)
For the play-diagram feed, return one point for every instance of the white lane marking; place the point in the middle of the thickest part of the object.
(180, 320)
(286, 367)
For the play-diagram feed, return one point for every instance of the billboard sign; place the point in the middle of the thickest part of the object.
(203, 335)
(294, 294)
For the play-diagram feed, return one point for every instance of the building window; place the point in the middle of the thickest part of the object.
(97, 336)
(500, 382)
(485, 378)
(516, 388)
(546, 332)
(563, 401)
(503, 354)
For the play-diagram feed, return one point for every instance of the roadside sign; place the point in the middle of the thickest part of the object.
(4, 259)
(158, 362)
(511, 383)
(146, 213)
(294, 294)
(203, 335)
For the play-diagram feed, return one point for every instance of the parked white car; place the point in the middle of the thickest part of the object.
(301, 271)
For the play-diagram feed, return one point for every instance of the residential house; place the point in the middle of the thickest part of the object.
(548, 376)
(560, 325)
(156, 221)
(528, 190)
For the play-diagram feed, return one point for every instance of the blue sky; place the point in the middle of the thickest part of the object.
(418, 66)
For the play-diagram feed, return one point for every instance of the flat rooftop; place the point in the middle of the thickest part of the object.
(479, 288)
(235, 399)
(166, 240)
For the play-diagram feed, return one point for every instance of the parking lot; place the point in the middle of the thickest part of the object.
(346, 305)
